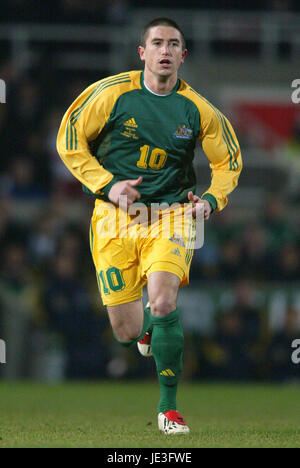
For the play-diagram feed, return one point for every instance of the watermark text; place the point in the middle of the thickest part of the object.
(2, 352)
(296, 93)
(173, 222)
(2, 92)
(296, 353)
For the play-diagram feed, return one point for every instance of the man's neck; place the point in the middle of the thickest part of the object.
(162, 85)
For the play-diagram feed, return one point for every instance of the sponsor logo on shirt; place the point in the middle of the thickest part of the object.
(131, 123)
(130, 127)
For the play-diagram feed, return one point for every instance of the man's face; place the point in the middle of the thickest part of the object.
(163, 53)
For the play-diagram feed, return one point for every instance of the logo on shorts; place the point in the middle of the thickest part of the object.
(178, 240)
(176, 252)
(183, 132)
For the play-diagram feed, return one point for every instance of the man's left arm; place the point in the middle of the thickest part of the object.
(222, 149)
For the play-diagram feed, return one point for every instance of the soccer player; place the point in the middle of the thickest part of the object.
(130, 138)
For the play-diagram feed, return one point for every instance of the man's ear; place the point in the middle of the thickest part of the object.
(141, 51)
(184, 54)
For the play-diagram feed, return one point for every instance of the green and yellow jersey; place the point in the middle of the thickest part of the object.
(117, 130)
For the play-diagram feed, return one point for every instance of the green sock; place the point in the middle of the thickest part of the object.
(167, 348)
(147, 326)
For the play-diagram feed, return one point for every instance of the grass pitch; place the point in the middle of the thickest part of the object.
(122, 414)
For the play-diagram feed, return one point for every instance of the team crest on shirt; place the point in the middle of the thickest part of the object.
(183, 132)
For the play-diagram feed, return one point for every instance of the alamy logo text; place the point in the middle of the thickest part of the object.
(2, 92)
(2, 352)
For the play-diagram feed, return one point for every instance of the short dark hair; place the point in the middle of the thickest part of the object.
(161, 22)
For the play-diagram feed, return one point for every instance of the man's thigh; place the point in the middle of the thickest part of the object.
(171, 254)
(117, 267)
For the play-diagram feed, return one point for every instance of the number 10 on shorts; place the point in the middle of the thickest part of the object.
(111, 280)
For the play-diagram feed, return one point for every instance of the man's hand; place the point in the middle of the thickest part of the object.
(200, 204)
(125, 188)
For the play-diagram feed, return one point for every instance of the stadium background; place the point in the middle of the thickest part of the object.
(242, 310)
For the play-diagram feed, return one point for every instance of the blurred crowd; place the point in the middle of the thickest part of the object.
(117, 11)
(51, 315)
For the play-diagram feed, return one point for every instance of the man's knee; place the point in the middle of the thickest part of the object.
(162, 305)
(124, 332)
(162, 292)
(126, 320)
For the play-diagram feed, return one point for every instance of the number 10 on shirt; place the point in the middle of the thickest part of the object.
(156, 160)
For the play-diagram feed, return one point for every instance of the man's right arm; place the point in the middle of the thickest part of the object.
(82, 123)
